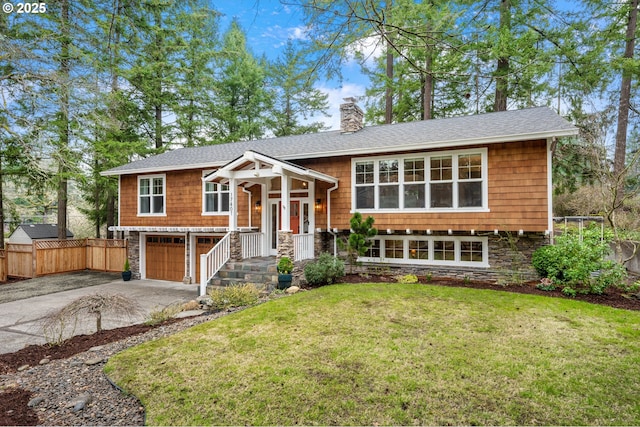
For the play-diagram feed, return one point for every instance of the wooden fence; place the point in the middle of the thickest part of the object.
(59, 256)
(106, 254)
(20, 260)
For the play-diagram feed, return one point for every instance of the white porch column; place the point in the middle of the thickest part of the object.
(285, 219)
(312, 206)
(233, 204)
(264, 215)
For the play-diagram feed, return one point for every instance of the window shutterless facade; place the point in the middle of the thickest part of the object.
(442, 181)
(215, 198)
(151, 195)
(429, 250)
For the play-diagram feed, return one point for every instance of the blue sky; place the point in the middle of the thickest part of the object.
(268, 24)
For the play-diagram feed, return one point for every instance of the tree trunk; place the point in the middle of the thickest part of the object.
(428, 88)
(388, 95)
(502, 69)
(111, 213)
(64, 120)
(1, 205)
(619, 161)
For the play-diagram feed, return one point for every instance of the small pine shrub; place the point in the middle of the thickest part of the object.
(234, 296)
(325, 271)
(407, 279)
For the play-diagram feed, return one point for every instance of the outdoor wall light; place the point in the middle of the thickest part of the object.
(318, 204)
(258, 206)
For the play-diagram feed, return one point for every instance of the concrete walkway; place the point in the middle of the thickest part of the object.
(20, 321)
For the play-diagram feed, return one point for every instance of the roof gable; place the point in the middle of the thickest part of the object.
(517, 125)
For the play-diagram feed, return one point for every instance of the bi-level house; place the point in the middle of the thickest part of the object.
(452, 196)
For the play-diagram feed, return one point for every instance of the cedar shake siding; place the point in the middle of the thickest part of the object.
(517, 197)
(183, 203)
(517, 194)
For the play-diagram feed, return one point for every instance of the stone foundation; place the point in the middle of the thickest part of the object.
(133, 253)
(509, 259)
(322, 242)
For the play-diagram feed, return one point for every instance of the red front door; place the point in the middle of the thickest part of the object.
(295, 217)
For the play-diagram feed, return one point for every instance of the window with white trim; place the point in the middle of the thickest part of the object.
(471, 251)
(215, 198)
(454, 180)
(151, 195)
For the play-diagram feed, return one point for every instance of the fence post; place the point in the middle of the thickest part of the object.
(34, 256)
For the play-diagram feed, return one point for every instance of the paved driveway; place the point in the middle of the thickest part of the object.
(20, 320)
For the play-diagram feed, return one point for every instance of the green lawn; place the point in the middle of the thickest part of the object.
(395, 355)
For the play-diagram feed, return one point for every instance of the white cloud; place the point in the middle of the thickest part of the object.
(281, 34)
(371, 48)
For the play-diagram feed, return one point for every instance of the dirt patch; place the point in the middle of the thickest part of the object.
(15, 290)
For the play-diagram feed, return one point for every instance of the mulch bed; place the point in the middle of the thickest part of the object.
(13, 402)
(14, 410)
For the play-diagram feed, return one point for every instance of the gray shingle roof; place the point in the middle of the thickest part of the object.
(42, 231)
(517, 125)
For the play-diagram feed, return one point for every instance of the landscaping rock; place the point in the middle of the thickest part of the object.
(292, 289)
(35, 401)
(81, 402)
(44, 361)
(93, 361)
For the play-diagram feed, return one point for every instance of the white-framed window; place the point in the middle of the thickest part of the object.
(215, 198)
(438, 181)
(468, 251)
(151, 194)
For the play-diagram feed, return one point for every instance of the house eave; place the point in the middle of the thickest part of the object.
(207, 165)
(421, 145)
(437, 145)
(152, 229)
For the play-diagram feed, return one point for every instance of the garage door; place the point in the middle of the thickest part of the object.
(203, 245)
(165, 258)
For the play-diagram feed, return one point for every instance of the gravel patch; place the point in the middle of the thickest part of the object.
(75, 391)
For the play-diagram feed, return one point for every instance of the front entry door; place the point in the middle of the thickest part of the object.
(274, 222)
(274, 226)
(294, 220)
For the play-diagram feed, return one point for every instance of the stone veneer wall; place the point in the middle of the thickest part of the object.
(322, 242)
(133, 245)
(351, 116)
(235, 246)
(285, 245)
(509, 258)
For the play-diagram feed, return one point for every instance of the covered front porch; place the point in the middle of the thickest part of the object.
(285, 201)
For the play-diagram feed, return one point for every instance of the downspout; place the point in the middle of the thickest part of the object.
(551, 144)
(335, 236)
(244, 190)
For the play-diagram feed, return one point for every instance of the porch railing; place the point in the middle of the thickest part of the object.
(302, 246)
(251, 244)
(212, 261)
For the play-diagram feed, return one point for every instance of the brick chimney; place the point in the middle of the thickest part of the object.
(350, 116)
